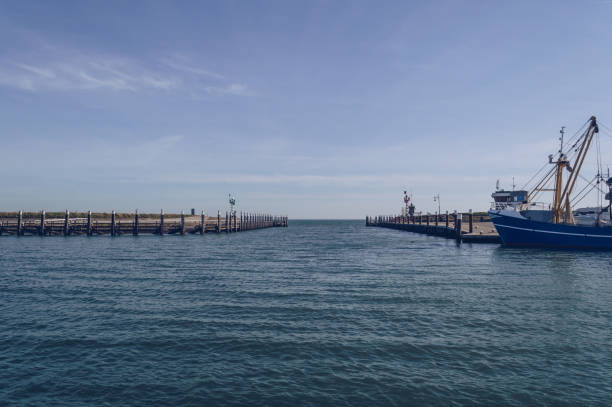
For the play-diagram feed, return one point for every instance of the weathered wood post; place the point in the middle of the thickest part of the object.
(471, 220)
(437, 218)
(235, 220)
(67, 223)
(203, 224)
(19, 223)
(136, 223)
(227, 229)
(113, 230)
(182, 222)
(458, 226)
(218, 221)
(89, 223)
(161, 222)
(41, 229)
(420, 218)
(446, 218)
(427, 219)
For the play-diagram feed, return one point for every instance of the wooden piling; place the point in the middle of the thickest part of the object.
(136, 223)
(67, 223)
(471, 220)
(161, 222)
(89, 232)
(112, 230)
(19, 223)
(218, 222)
(203, 224)
(182, 222)
(458, 226)
(41, 229)
(446, 219)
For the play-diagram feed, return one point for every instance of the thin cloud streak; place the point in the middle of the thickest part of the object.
(100, 72)
(191, 69)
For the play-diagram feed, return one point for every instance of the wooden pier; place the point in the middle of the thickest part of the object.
(116, 224)
(463, 227)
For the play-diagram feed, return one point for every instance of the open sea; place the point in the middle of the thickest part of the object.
(323, 313)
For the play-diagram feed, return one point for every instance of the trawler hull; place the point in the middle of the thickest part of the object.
(515, 230)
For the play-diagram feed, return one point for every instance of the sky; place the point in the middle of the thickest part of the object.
(313, 109)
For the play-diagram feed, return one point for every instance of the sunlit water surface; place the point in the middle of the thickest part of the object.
(320, 313)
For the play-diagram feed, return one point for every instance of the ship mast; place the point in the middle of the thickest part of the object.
(562, 210)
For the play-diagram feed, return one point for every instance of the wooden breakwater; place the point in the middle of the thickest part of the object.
(116, 224)
(463, 227)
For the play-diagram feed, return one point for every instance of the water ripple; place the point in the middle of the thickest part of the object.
(322, 313)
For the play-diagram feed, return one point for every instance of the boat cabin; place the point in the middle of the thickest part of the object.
(503, 199)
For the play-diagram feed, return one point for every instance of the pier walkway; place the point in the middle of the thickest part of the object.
(475, 229)
(115, 224)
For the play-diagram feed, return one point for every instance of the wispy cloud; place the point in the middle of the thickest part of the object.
(191, 69)
(83, 73)
(78, 72)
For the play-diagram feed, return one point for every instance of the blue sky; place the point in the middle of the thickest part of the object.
(312, 109)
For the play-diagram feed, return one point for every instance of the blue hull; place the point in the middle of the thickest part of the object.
(516, 231)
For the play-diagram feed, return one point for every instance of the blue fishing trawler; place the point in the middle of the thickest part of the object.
(525, 222)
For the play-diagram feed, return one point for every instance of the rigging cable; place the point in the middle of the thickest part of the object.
(579, 131)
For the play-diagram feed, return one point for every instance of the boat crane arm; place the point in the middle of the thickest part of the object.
(561, 207)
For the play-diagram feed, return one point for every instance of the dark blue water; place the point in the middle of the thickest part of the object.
(320, 313)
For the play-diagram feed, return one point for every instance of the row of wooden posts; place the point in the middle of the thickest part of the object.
(428, 220)
(230, 223)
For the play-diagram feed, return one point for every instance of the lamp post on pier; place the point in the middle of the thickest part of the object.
(437, 199)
